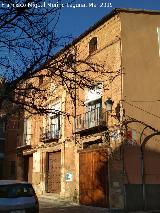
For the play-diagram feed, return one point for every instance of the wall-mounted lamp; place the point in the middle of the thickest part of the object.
(109, 104)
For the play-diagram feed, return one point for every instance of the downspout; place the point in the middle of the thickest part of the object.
(142, 170)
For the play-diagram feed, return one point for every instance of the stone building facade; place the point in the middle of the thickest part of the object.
(94, 156)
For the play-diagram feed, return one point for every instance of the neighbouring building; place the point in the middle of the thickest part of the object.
(96, 155)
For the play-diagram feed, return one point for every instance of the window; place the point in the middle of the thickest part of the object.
(158, 33)
(55, 126)
(92, 45)
(40, 80)
(94, 93)
(52, 123)
(27, 131)
(16, 190)
(93, 105)
(93, 114)
(71, 60)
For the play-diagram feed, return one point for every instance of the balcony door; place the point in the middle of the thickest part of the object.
(55, 126)
(27, 131)
(93, 112)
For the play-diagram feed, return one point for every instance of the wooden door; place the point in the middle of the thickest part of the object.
(94, 178)
(54, 172)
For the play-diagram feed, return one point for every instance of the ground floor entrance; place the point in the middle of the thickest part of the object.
(93, 178)
(28, 168)
(53, 172)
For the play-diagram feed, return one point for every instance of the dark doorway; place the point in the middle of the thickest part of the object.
(28, 168)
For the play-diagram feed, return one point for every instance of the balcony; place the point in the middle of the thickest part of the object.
(51, 132)
(92, 119)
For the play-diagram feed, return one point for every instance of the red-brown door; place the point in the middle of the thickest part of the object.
(94, 178)
(54, 172)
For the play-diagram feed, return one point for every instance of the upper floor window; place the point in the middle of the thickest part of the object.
(54, 121)
(71, 60)
(55, 125)
(52, 124)
(94, 93)
(27, 131)
(93, 45)
(40, 80)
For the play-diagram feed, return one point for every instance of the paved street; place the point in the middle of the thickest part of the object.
(56, 206)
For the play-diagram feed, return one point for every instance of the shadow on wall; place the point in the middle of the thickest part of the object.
(136, 165)
(142, 174)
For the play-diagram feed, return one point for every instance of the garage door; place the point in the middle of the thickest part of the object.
(94, 178)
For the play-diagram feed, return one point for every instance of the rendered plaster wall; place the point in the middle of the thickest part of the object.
(140, 61)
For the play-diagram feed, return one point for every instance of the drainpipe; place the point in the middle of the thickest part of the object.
(142, 178)
(122, 151)
(142, 170)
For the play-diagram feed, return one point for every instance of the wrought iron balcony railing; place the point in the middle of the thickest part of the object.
(49, 133)
(94, 118)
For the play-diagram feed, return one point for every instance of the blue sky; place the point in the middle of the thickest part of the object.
(74, 21)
